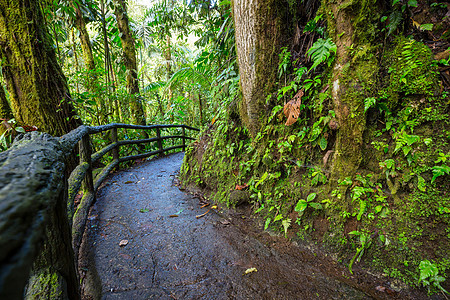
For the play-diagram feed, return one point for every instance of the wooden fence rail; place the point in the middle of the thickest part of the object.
(40, 229)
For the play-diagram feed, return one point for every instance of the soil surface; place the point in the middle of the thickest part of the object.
(147, 239)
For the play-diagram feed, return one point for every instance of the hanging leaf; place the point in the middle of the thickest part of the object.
(323, 143)
(292, 108)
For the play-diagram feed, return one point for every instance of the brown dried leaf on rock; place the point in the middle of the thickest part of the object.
(292, 108)
(241, 187)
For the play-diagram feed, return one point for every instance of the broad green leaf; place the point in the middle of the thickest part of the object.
(20, 129)
(311, 197)
(301, 205)
(378, 208)
(428, 27)
(316, 205)
(266, 225)
(323, 143)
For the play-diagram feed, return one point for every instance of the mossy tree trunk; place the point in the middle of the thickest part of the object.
(352, 26)
(37, 87)
(88, 57)
(80, 24)
(261, 30)
(5, 109)
(129, 57)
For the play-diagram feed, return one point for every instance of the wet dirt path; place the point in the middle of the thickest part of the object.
(185, 257)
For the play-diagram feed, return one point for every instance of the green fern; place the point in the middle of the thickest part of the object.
(322, 51)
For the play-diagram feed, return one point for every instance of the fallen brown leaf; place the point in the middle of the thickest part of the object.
(292, 108)
(241, 187)
(202, 215)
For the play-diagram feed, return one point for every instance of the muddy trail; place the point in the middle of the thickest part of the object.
(147, 239)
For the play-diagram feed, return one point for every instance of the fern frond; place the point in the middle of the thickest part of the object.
(322, 51)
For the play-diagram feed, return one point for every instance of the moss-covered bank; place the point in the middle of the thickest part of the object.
(394, 207)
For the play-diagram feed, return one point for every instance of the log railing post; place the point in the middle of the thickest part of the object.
(184, 138)
(115, 151)
(159, 141)
(85, 156)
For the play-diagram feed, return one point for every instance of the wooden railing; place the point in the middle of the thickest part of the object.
(40, 231)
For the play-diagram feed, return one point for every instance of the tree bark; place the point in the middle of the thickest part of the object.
(5, 109)
(37, 87)
(129, 56)
(260, 33)
(354, 77)
(80, 24)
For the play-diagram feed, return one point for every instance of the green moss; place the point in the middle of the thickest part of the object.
(412, 70)
(46, 285)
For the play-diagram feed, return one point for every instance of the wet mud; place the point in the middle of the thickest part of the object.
(147, 239)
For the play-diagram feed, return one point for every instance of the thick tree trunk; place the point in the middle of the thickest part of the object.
(36, 84)
(129, 56)
(352, 28)
(260, 34)
(5, 109)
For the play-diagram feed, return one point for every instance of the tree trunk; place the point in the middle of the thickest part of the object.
(84, 38)
(260, 33)
(77, 66)
(353, 78)
(37, 87)
(5, 109)
(168, 58)
(129, 56)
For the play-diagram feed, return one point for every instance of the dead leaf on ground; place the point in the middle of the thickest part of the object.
(173, 216)
(250, 270)
(123, 243)
(128, 182)
(202, 215)
(241, 187)
(225, 222)
(292, 108)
